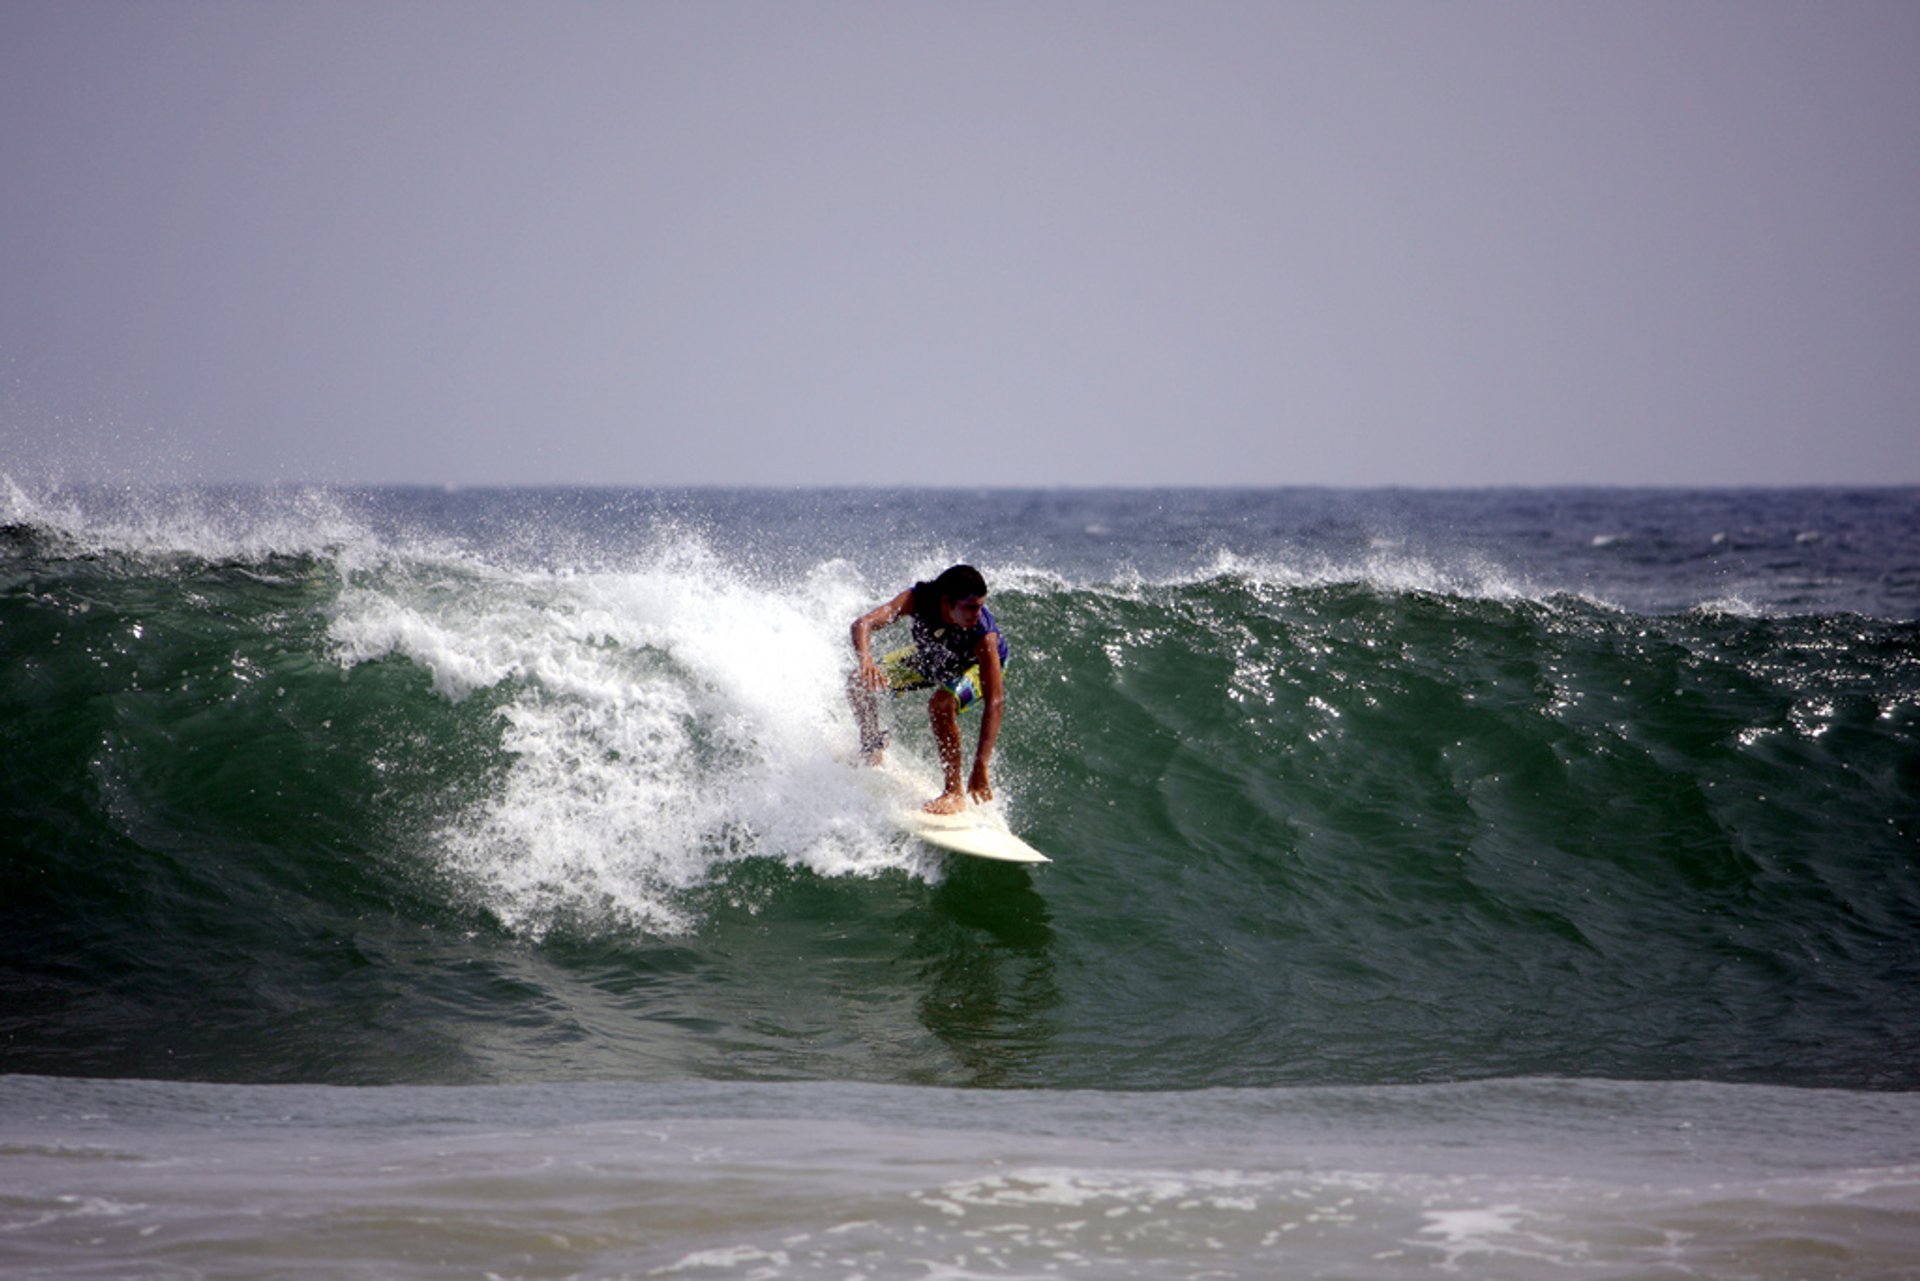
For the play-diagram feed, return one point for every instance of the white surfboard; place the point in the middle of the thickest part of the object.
(977, 830)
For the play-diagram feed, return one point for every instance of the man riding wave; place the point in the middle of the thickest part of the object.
(959, 653)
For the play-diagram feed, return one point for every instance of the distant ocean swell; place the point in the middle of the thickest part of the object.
(388, 808)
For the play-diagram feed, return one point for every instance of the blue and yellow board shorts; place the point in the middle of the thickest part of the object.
(904, 678)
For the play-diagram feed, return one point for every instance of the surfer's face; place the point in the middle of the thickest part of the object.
(964, 612)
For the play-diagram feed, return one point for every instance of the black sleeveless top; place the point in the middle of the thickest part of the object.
(943, 650)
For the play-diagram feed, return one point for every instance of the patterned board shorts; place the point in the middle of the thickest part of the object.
(903, 678)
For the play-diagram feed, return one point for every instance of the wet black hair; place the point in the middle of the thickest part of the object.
(959, 582)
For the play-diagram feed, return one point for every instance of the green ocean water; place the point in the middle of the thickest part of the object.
(416, 788)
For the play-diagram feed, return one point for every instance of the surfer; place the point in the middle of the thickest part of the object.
(959, 653)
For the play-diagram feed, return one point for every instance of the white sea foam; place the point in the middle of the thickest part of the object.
(214, 523)
(664, 711)
(1387, 568)
(659, 722)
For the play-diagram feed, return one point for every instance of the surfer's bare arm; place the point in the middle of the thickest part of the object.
(866, 625)
(993, 698)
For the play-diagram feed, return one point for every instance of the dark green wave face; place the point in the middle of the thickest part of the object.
(1379, 835)
(392, 808)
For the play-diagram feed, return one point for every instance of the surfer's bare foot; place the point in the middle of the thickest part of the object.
(875, 756)
(946, 803)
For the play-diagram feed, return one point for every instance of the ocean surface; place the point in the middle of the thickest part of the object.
(408, 883)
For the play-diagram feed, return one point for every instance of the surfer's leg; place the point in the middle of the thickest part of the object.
(866, 716)
(902, 677)
(943, 712)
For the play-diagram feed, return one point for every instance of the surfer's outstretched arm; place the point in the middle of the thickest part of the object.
(867, 678)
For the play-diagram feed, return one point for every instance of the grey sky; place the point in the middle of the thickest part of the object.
(1067, 243)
